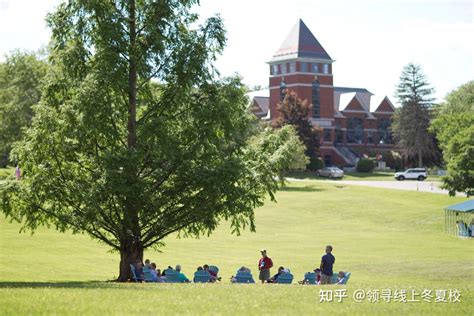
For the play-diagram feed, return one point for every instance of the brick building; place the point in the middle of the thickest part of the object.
(349, 125)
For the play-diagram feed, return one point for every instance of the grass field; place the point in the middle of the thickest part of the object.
(388, 239)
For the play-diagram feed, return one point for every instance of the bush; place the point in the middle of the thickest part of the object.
(365, 165)
(315, 164)
(393, 160)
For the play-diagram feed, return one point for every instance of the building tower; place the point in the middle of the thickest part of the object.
(302, 65)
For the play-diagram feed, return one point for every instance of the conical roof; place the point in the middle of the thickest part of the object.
(300, 42)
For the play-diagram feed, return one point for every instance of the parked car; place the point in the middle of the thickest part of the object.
(330, 172)
(414, 174)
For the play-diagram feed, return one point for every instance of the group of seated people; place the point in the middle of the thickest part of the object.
(341, 277)
(157, 275)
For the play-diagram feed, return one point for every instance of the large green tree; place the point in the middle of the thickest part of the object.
(21, 76)
(134, 138)
(454, 128)
(296, 112)
(412, 120)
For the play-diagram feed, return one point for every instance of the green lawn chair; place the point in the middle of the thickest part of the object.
(171, 276)
(134, 275)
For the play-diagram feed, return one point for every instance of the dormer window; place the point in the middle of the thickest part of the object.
(303, 67)
(314, 68)
(283, 68)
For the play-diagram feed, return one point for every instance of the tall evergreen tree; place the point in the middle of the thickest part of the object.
(296, 112)
(135, 138)
(412, 120)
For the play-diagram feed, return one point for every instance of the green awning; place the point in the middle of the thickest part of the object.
(466, 207)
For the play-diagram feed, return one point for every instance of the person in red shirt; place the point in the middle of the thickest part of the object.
(264, 265)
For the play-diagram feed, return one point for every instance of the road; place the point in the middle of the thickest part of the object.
(412, 185)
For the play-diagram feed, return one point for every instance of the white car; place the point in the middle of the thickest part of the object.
(330, 172)
(414, 174)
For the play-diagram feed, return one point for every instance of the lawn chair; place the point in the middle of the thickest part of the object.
(147, 274)
(172, 276)
(310, 278)
(244, 277)
(285, 278)
(134, 275)
(202, 276)
(347, 275)
(214, 269)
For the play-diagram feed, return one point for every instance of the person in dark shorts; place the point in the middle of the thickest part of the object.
(264, 265)
(327, 262)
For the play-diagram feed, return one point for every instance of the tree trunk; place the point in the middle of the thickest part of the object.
(130, 251)
(420, 159)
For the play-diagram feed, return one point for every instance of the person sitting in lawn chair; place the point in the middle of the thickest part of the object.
(181, 276)
(241, 269)
(139, 269)
(341, 278)
(156, 274)
(274, 278)
(317, 280)
(213, 274)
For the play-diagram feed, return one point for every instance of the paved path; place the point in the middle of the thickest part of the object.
(422, 186)
(410, 185)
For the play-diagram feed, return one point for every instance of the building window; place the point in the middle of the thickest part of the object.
(274, 70)
(284, 68)
(383, 130)
(314, 68)
(282, 89)
(292, 67)
(327, 135)
(355, 130)
(370, 138)
(316, 99)
(304, 67)
(325, 68)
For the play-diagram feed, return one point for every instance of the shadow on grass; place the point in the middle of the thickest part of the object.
(302, 189)
(61, 285)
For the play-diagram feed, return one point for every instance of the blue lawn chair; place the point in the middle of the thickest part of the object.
(214, 269)
(347, 275)
(134, 275)
(172, 276)
(244, 277)
(202, 276)
(284, 278)
(310, 278)
(147, 274)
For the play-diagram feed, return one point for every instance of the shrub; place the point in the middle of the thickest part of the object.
(365, 165)
(393, 160)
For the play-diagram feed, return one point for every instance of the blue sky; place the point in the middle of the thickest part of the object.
(370, 40)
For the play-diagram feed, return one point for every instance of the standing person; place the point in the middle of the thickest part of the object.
(17, 172)
(264, 265)
(327, 262)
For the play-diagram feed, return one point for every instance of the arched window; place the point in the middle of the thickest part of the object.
(316, 99)
(355, 130)
(383, 131)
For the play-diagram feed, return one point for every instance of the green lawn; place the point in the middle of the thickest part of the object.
(388, 239)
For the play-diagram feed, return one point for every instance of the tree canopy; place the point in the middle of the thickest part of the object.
(295, 112)
(21, 76)
(411, 121)
(454, 128)
(135, 138)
